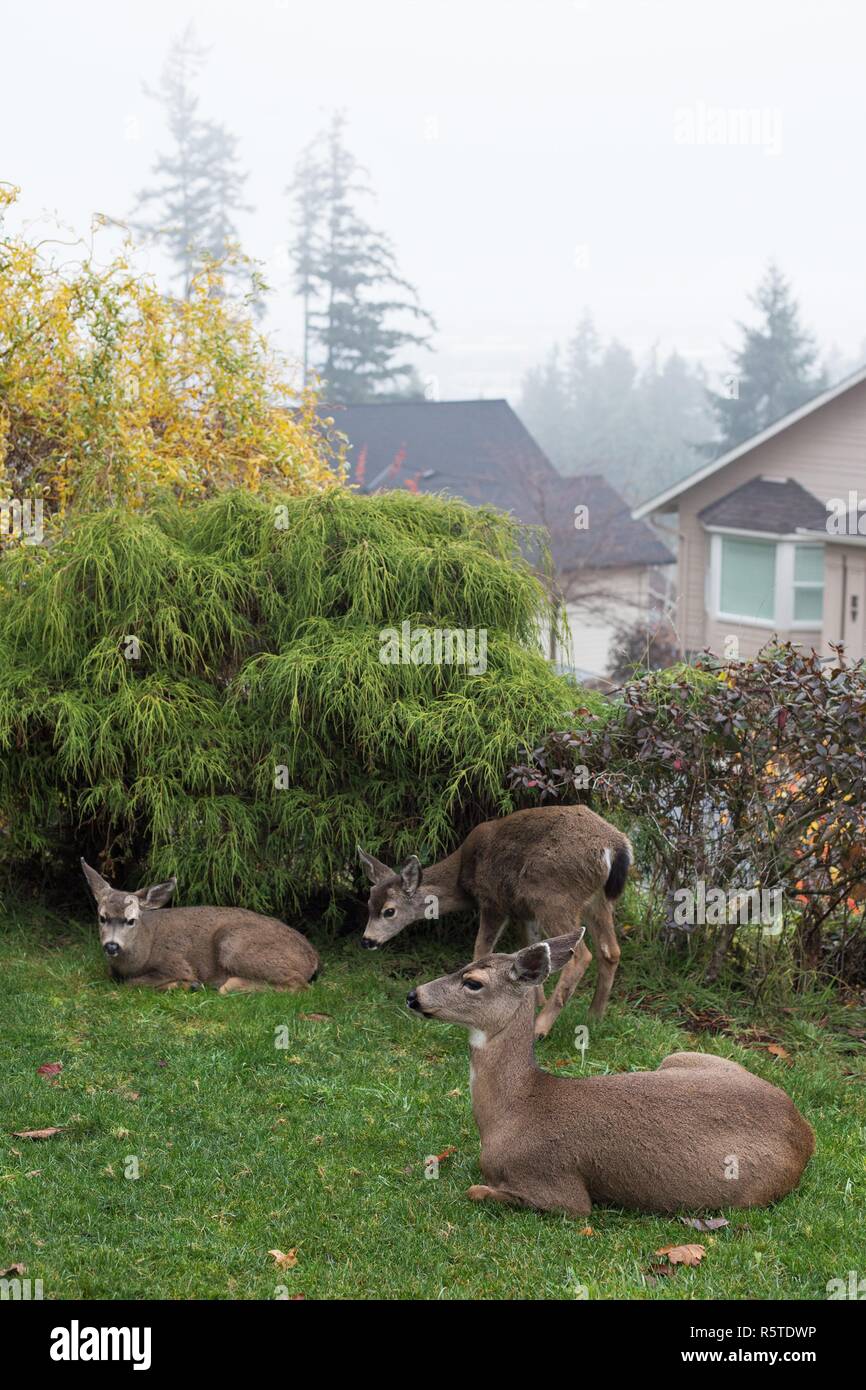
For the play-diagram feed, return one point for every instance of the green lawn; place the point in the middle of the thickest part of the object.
(319, 1147)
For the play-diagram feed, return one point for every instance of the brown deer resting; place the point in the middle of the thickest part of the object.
(146, 943)
(543, 869)
(699, 1133)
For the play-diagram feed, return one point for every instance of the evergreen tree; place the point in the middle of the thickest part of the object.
(773, 371)
(192, 208)
(356, 304)
(599, 412)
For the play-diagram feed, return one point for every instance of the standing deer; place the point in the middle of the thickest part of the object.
(543, 869)
(229, 948)
(699, 1133)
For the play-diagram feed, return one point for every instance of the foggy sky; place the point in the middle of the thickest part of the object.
(530, 159)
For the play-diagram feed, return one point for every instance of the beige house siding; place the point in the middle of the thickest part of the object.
(603, 600)
(826, 453)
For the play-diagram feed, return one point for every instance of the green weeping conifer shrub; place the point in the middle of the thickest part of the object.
(257, 624)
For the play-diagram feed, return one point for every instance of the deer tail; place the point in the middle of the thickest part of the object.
(622, 862)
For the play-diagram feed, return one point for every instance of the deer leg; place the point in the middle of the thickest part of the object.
(237, 984)
(490, 928)
(576, 1201)
(152, 980)
(603, 931)
(570, 977)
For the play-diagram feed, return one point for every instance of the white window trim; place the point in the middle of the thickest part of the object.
(783, 619)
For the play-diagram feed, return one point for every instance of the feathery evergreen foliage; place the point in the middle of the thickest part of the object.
(258, 627)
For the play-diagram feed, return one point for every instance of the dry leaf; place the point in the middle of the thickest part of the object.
(440, 1158)
(587, 1231)
(700, 1223)
(49, 1069)
(683, 1254)
(13, 1269)
(38, 1133)
(284, 1261)
(316, 1018)
(778, 1051)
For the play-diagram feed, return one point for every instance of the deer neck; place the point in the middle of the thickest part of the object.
(442, 880)
(502, 1067)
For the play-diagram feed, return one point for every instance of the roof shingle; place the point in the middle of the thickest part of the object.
(480, 451)
(763, 505)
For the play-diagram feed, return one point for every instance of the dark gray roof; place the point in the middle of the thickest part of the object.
(480, 451)
(762, 505)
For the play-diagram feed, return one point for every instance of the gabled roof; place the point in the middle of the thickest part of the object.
(611, 540)
(480, 451)
(662, 499)
(781, 507)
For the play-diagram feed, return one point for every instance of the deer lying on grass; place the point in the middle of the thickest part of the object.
(147, 943)
(542, 869)
(700, 1132)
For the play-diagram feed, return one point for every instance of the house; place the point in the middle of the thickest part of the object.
(768, 538)
(609, 568)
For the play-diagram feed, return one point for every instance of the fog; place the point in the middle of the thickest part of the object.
(643, 160)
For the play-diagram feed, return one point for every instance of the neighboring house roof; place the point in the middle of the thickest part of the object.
(481, 451)
(663, 499)
(613, 539)
(763, 505)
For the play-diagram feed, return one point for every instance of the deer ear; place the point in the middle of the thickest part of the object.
(531, 965)
(562, 948)
(96, 882)
(376, 870)
(158, 894)
(411, 874)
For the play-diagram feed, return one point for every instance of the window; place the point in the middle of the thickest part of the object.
(766, 583)
(809, 584)
(747, 587)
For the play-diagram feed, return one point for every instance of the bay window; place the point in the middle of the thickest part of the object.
(756, 580)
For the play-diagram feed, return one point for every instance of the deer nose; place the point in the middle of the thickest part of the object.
(368, 944)
(111, 948)
(412, 1000)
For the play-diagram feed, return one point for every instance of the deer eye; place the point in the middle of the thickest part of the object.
(389, 911)
(472, 984)
(103, 919)
(129, 921)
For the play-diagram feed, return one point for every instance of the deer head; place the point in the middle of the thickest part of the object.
(123, 933)
(395, 898)
(485, 995)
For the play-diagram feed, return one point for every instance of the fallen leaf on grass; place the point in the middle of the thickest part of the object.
(683, 1254)
(587, 1231)
(13, 1269)
(284, 1261)
(440, 1158)
(778, 1050)
(700, 1223)
(659, 1271)
(38, 1133)
(49, 1069)
(316, 1018)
